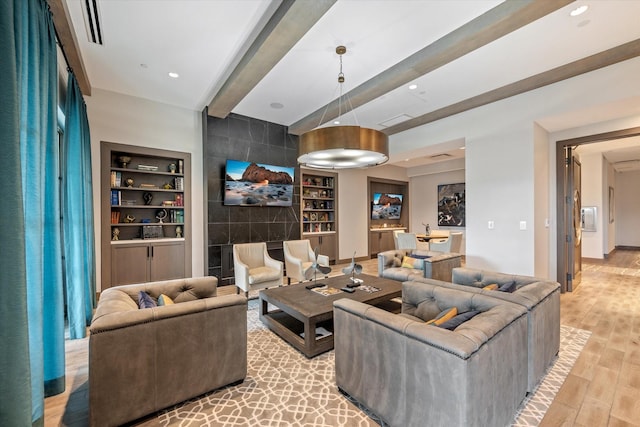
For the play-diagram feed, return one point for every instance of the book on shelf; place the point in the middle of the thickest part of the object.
(116, 179)
(115, 217)
(116, 197)
(179, 183)
(178, 200)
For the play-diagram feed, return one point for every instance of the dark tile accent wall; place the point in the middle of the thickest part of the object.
(250, 140)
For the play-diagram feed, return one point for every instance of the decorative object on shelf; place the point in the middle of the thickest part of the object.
(145, 221)
(115, 234)
(129, 219)
(148, 198)
(342, 147)
(129, 182)
(167, 186)
(172, 168)
(180, 166)
(152, 232)
(161, 214)
(427, 229)
(178, 232)
(124, 161)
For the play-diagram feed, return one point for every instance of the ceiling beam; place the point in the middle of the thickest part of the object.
(291, 20)
(69, 43)
(590, 63)
(486, 28)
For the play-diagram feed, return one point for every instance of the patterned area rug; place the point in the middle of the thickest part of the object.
(284, 388)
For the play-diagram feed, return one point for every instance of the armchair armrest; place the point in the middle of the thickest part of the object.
(273, 263)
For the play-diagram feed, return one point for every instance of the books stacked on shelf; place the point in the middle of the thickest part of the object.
(176, 216)
(179, 200)
(326, 291)
(115, 217)
(147, 168)
(116, 179)
(179, 183)
(116, 197)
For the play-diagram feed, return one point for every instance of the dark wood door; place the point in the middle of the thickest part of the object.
(573, 223)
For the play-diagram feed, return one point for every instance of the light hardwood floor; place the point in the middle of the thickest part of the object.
(602, 389)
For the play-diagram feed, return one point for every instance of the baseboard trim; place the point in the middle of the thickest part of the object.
(627, 248)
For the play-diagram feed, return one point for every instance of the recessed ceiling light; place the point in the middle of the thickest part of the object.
(174, 75)
(579, 10)
(413, 87)
(276, 105)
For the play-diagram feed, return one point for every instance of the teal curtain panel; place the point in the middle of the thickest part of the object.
(77, 201)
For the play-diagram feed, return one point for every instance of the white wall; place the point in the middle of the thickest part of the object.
(501, 158)
(627, 208)
(129, 120)
(592, 191)
(542, 215)
(423, 194)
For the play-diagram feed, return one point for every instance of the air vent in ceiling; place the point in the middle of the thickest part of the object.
(438, 157)
(92, 21)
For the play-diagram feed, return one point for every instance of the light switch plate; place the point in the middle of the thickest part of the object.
(491, 225)
(523, 225)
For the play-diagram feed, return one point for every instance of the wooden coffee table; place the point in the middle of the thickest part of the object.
(300, 310)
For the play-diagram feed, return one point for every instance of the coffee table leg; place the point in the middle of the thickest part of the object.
(309, 336)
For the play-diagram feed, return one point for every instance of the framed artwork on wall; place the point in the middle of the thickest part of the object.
(451, 205)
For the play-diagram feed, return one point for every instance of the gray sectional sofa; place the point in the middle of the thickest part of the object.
(144, 360)
(540, 297)
(438, 265)
(413, 374)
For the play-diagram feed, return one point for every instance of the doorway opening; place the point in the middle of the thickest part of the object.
(568, 205)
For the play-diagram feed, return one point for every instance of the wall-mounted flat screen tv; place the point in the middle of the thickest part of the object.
(257, 184)
(386, 206)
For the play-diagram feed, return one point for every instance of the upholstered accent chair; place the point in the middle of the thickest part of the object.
(409, 242)
(299, 257)
(254, 269)
(145, 360)
(450, 244)
(411, 373)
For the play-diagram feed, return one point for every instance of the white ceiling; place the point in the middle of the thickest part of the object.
(201, 40)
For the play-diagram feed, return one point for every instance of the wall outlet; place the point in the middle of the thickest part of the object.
(491, 225)
(523, 225)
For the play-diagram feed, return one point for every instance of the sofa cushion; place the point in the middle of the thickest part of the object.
(458, 320)
(444, 316)
(145, 300)
(262, 274)
(164, 300)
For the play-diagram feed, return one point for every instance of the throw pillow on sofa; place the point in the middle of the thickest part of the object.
(410, 262)
(444, 315)
(508, 287)
(145, 300)
(491, 287)
(164, 300)
(458, 320)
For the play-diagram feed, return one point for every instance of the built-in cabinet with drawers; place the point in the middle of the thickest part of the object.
(319, 207)
(145, 203)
